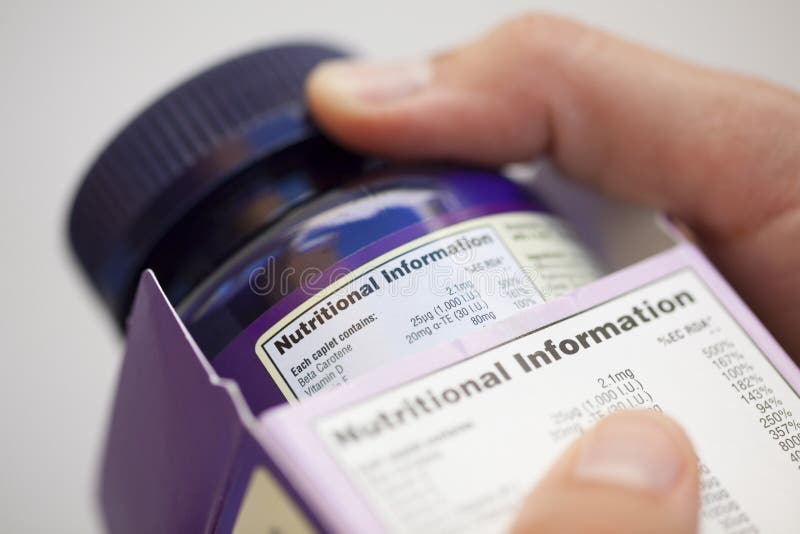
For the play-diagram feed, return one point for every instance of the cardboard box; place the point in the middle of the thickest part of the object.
(185, 454)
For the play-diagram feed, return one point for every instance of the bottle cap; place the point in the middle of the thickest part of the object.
(179, 150)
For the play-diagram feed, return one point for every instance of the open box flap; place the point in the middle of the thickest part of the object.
(175, 428)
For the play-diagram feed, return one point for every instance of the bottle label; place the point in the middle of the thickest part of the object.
(426, 292)
(267, 508)
(457, 450)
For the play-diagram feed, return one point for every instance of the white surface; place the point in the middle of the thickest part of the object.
(72, 72)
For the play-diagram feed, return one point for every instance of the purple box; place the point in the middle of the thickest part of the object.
(185, 454)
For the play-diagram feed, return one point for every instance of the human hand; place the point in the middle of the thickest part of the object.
(634, 472)
(718, 151)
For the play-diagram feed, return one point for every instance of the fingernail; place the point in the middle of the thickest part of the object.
(634, 450)
(375, 82)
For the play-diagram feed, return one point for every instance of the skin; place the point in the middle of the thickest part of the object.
(718, 151)
(564, 503)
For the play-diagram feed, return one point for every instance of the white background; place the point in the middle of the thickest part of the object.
(70, 75)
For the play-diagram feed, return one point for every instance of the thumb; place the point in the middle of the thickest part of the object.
(635, 472)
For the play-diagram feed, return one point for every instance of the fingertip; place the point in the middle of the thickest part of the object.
(640, 450)
(326, 94)
(634, 471)
(368, 106)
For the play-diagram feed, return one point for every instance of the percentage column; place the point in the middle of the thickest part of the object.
(777, 420)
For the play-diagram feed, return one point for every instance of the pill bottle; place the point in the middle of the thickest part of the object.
(295, 264)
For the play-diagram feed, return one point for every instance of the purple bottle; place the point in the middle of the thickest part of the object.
(296, 264)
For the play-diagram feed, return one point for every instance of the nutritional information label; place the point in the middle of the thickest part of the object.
(458, 449)
(423, 295)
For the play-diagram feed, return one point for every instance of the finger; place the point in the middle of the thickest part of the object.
(720, 152)
(610, 113)
(635, 472)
